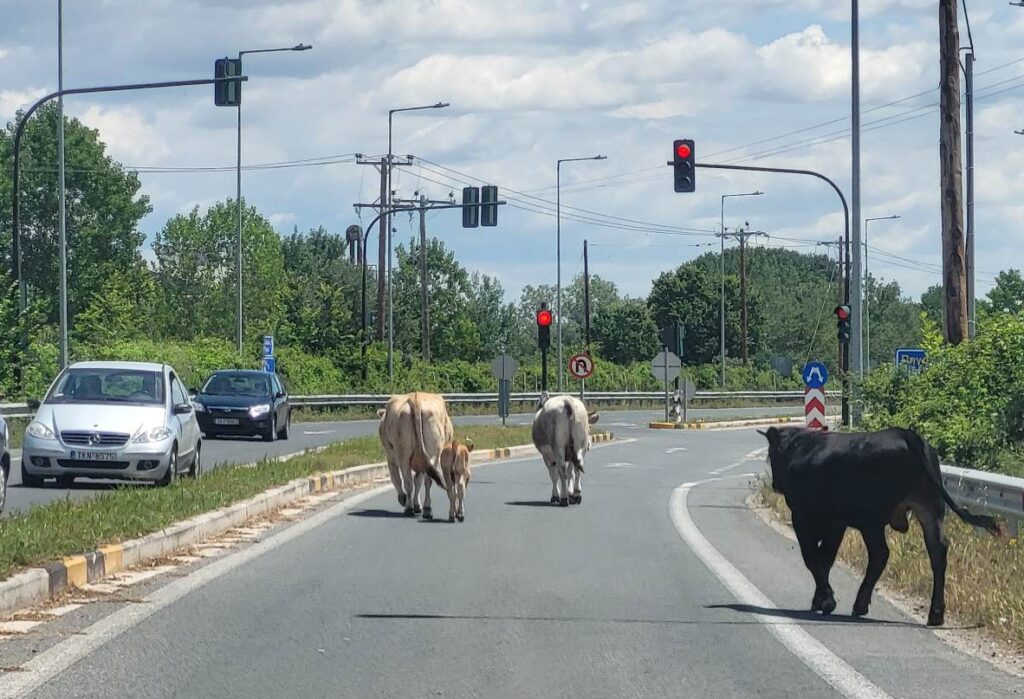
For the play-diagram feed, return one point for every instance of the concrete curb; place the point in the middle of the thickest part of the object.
(723, 424)
(34, 586)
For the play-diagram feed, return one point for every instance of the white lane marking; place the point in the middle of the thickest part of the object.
(620, 464)
(673, 450)
(622, 424)
(47, 665)
(826, 664)
(313, 432)
(752, 456)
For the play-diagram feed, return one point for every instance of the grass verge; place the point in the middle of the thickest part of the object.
(984, 577)
(65, 528)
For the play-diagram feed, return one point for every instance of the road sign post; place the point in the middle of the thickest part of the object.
(503, 368)
(665, 367)
(815, 376)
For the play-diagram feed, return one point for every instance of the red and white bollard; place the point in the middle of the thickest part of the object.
(814, 408)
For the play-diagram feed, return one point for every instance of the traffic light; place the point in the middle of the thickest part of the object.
(489, 210)
(544, 327)
(683, 165)
(229, 92)
(843, 318)
(471, 214)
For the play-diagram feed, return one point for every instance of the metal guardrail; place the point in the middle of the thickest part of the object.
(991, 493)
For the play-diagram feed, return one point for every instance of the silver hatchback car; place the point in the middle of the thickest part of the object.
(122, 420)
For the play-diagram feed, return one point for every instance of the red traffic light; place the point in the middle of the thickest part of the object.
(544, 318)
(683, 150)
(842, 312)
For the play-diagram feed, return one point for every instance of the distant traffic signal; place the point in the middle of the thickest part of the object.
(544, 319)
(471, 212)
(683, 165)
(843, 319)
(489, 210)
(229, 92)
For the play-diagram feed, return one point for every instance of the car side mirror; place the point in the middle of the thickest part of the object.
(32, 403)
(183, 409)
(280, 394)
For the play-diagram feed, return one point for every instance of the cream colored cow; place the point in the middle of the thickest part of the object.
(456, 469)
(414, 429)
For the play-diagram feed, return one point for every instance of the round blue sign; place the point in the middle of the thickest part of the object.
(815, 375)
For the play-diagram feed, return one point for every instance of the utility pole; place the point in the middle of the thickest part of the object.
(586, 310)
(853, 255)
(839, 287)
(954, 280)
(969, 113)
(741, 235)
(61, 195)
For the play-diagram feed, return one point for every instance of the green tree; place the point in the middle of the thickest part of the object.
(691, 295)
(118, 311)
(104, 206)
(626, 332)
(893, 321)
(196, 272)
(494, 319)
(453, 335)
(931, 306)
(1007, 296)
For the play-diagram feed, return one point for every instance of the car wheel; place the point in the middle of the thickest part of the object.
(271, 434)
(28, 480)
(172, 469)
(196, 469)
(286, 430)
(4, 471)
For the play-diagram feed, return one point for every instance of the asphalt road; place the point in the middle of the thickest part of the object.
(307, 435)
(647, 589)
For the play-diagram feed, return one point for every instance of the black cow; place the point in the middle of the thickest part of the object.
(835, 480)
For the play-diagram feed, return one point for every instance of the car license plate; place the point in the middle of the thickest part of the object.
(94, 455)
(225, 420)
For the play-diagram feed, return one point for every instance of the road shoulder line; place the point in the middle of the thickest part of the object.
(814, 654)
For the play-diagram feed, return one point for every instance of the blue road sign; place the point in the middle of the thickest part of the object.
(912, 358)
(268, 345)
(815, 375)
(269, 365)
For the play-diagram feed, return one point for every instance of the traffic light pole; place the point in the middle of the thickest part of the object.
(844, 369)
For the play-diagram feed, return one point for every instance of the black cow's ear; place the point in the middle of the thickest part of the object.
(763, 433)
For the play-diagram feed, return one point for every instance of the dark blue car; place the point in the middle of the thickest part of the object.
(243, 403)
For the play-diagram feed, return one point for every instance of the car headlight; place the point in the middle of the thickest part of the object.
(157, 434)
(258, 411)
(40, 431)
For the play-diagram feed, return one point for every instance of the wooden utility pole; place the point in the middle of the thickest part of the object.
(741, 235)
(586, 299)
(382, 249)
(954, 273)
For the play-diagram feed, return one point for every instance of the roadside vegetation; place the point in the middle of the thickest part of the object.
(65, 527)
(983, 579)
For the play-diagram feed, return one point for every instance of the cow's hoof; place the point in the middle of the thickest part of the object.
(428, 513)
(401, 499)
(409, 512)
(461, 518)
(936, 618)
(575, 499)
(554, 499)
(416, 509)
(451, 519)
(860, 609)
(564, 502)
(827, 606)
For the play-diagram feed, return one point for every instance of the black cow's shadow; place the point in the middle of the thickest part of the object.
(807, 615)
(379, 514)
(530, 503)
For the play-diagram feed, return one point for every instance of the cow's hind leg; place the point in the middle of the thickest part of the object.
(878, 556)
(576, 481)
(563, 481)
(935, 542)
(824, 598)
(553, 473)
(396, 481)
(428, 509)
(411, 491)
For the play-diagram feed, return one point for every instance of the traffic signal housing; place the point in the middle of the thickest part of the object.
(843, 319)
(684, 165)
(227, 93)
(470, 210)
(544, 319)
(489, 210)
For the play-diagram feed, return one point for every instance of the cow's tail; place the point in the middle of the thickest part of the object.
(571, 415)
(417, 427)
(929, 460)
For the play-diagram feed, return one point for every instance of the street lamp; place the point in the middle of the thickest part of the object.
(386, 207)
(866, 348)
(722, 262)
(558, 254)
(238, 183)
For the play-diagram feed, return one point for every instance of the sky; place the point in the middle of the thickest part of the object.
(764, 83)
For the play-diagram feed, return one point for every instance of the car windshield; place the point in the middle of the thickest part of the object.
(108, 386)
(237, 385)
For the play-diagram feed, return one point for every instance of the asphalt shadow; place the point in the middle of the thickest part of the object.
(531, 503)
(809, 616)
(379, 514)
